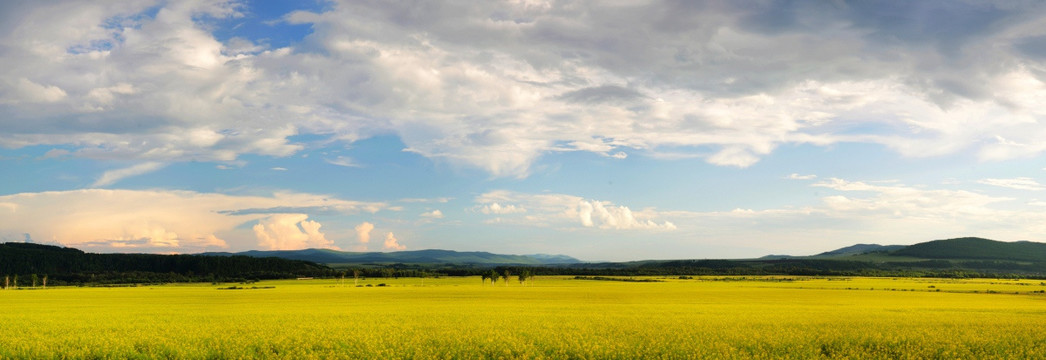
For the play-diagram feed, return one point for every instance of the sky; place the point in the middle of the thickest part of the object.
(603, 130)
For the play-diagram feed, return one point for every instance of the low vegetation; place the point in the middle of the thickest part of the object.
(721, 317)
(32, 265)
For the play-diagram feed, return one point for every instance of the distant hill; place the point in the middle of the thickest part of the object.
(861, 249)
(73, 266)
(972, 248)
(962, 257)
(778, 257)
(327, 256)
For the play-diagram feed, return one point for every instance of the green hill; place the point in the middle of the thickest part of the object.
(972, 248)
(859, 249)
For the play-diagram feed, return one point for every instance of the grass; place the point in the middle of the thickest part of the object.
(705, 317)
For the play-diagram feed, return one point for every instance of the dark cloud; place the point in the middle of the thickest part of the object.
(947, 25)
(602, 94)
(1032, 46)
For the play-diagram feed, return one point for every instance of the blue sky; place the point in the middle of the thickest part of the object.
(601, 130)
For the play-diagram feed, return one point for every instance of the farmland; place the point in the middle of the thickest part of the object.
(552, 317)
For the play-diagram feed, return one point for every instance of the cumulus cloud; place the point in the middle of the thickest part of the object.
(497, 85)
(1021, 183)
(606, 215)
(391, 243)
(112, 176)
(363, 232)
(290, 232)
(551, 209)
(168, 220)
(496, 208)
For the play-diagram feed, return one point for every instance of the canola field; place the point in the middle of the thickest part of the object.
(551, 318)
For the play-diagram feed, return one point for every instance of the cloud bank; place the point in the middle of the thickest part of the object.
(164, 221)
(849, 212)
(569, 210)
(496, 85)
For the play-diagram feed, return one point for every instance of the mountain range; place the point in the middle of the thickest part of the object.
(426, 257)
(959, 249)
(961, 257)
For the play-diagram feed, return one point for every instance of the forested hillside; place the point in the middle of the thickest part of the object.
(976, 248)
(72, 266)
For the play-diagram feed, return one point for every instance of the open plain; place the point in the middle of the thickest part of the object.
(549, 317)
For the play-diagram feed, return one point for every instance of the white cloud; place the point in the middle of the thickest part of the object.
(795, 176)
(343, 161)
(1021, 183)
(898, 201)
(391, 243)
(56, 153)
(496, 208)
(434, 214)
(441, 200)
(363, 232)
(290, 232)
(159, 220)
(496, 92)
(850, 212)
(24, 90)
(550, 209)
(609, 216)
(279, 169)
(112, 176)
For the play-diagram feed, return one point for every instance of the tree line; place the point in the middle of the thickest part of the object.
(20, 262)
(29, 265)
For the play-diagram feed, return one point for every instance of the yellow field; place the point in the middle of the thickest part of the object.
(762, 317)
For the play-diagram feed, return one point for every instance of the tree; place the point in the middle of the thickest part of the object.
(15, 282)
(484, 277)
(493, 277)
(45, 281)
(524, 276)
(34, 278)
(356, 276)
(505, 275)
(7, 281)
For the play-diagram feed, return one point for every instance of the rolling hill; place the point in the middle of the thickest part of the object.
(961, 257)
(967, 248)
(971, 248)
(327, 256)
(860, 249)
